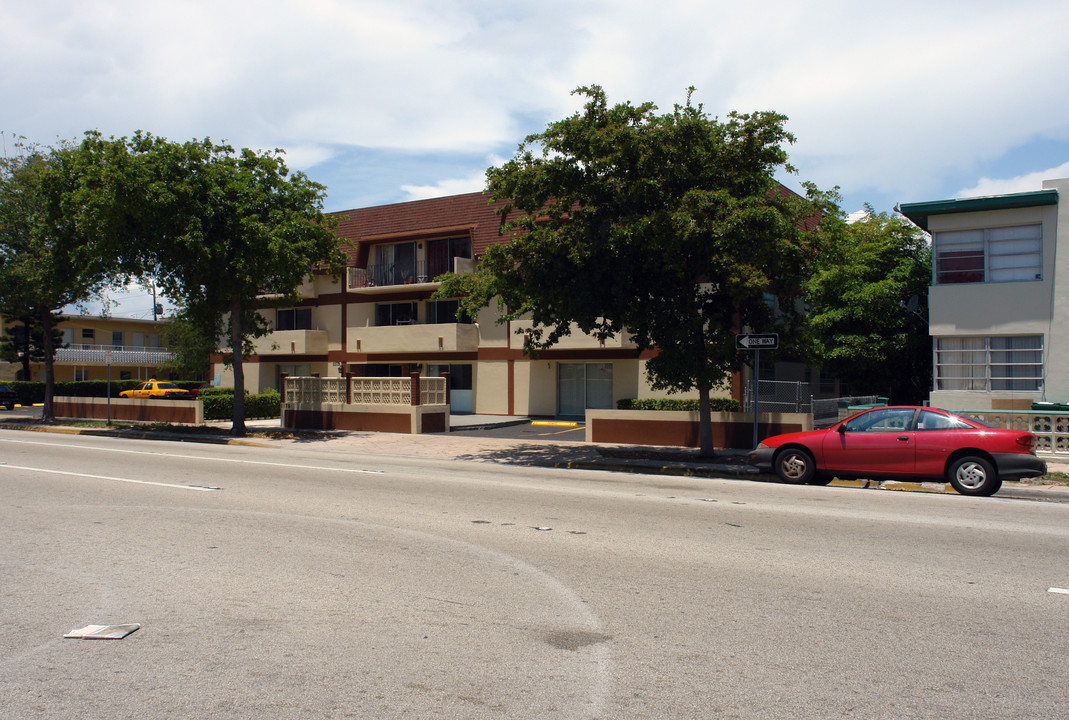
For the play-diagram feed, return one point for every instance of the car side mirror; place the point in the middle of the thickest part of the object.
(841, 428)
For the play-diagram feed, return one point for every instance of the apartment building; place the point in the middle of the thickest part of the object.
(133, 349)
(998, 306)
(379, 320)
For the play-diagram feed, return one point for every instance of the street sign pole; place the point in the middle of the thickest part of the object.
(756, 391)
(768, 341)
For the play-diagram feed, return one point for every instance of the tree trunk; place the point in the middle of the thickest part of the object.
(47, 414)
(237, 346)
(705, 424)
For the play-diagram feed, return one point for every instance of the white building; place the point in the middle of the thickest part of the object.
(999, 300)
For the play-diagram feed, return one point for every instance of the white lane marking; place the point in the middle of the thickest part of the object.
(194, 457)
(108, 477)
(1060, 591)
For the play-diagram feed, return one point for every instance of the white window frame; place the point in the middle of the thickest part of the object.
(1013, 253)
(994, 363)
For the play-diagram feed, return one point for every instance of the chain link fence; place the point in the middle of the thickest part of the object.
(798, 397)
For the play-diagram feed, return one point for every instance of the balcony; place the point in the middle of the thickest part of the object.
(293, 342)
(113, 355)
(407, 276)
(440, 337)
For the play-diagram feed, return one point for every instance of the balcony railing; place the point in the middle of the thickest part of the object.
(113, 354)
(394, 274)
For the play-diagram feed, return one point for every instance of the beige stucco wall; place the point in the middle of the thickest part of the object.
(490, 392)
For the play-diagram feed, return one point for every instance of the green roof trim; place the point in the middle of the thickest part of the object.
(919, 213)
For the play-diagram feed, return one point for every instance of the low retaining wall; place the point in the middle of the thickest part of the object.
(680, 427)
(189, 412)
(370, 418)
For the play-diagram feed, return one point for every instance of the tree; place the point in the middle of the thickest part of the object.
(24, 343)
(224, 227)
(860, 331)
(64, 235)
(190, 344)
(670, 226)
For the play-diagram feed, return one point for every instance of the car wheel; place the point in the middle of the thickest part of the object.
(795, 466)
(973, 476)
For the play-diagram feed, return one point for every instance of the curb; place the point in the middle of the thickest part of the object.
(137, 435)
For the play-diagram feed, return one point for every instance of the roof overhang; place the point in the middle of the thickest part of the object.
(919, 213)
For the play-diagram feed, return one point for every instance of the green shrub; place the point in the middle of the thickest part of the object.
(716, 404)
(220, 405)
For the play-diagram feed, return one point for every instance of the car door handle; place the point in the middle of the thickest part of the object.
(904, 438)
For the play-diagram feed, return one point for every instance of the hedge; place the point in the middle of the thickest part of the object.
(220, 405)
(716, 404)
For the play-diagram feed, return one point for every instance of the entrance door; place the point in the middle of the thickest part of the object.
(583, 385)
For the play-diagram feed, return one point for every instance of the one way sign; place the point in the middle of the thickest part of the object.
(769, 341)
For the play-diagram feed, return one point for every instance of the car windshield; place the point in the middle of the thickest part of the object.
(4, 388)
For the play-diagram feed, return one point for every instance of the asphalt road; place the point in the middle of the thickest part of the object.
(308, 582)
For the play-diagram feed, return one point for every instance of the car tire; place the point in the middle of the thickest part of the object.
(974, 476)
(795, 466)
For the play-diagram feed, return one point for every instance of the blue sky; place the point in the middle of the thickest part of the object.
(391, 100)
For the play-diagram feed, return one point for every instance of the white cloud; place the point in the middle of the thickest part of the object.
(452, 186)
(899, 100)
(1021, 183)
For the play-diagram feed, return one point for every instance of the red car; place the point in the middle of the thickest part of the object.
(904, 442)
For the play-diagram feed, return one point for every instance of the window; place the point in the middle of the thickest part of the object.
(396, 265)
(87, 333)
(445, 311)
(440, 254)
(460, 375)
(937, 421)
(395, 314)
(1013, 363)
(882, 420)
(1006, 254)
(80, 374)
(116, 338)
(293, 319)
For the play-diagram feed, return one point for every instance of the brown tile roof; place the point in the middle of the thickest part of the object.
(469, 214)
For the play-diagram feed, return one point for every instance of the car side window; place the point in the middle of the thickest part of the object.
(882, 420)
(937, 421)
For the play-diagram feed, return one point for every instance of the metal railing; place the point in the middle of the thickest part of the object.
(364, 391)
(386, 274)
(116, 354)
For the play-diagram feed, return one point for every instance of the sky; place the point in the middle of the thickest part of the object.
(385, 101)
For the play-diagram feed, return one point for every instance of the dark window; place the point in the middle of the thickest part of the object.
(395, 314)
(293, 319)
(380, 370)
(440, 254)
(87, 333)
(445, 311)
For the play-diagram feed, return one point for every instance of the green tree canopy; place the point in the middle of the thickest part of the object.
(222, 229)
(670, 226)
(64, 234)
(860, 331)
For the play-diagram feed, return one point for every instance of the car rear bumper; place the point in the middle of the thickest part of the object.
(1014, 466)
